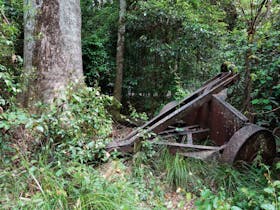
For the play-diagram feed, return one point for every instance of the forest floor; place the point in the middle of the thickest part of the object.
(173, 198)
(152, 178)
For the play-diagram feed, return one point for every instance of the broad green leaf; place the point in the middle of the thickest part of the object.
(268, 206)
(40, 128)
(277, 182)
(235, 208)
(269, 190)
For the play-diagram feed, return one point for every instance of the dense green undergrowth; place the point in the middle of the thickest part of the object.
(62, 185)
(221, 186)
(218, 186)
(141, 182)
(54, 160)
(75, 128)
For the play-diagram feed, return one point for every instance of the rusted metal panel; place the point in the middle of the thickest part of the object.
(202, 155)
(189, 107)
(224, 120)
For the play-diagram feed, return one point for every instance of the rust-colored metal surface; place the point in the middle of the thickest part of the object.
(175, 113)
(205, 115)
(224, 120)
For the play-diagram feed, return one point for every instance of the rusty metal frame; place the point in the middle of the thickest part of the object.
(203, 112)
(177, 112)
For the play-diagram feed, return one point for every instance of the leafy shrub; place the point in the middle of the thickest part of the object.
(98, 62)
(77, 127)
(266, 197)
(209, 200)
(99, 40)
(81, 128)
(136, 115)
(245, 198)
(257, 191)
(9, 88)
(9, 61)
(264, 65)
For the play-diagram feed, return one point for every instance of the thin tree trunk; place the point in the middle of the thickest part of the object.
(248, 81)
(248, 67)
(52, 51)
(253, 22)
(120, 52)
(29, 43)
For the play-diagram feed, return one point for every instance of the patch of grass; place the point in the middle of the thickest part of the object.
(214, 183)
(177, 172)
(195, 174)
(62, 185)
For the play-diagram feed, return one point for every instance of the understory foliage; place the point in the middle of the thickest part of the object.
(214, 185)
(223, 187)
(10, 62)
(264, 62)
(75, 128)
(266, 79)
(62, 185)
(99, 38)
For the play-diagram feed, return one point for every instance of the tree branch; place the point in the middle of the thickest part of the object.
(267, 112)
(5, 18)
(254, 24)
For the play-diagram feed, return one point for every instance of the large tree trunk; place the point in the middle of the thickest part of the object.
(120, 52)
(52, 49)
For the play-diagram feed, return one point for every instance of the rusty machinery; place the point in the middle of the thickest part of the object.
(205, 115)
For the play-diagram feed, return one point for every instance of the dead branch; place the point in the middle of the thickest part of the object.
(5, 18)
(267, 112)
(264, 2)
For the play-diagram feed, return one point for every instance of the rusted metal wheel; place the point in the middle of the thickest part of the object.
(248, 143)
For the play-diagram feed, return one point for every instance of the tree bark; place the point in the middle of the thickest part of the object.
(120, 52)
(52, 49)
(247, 106)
